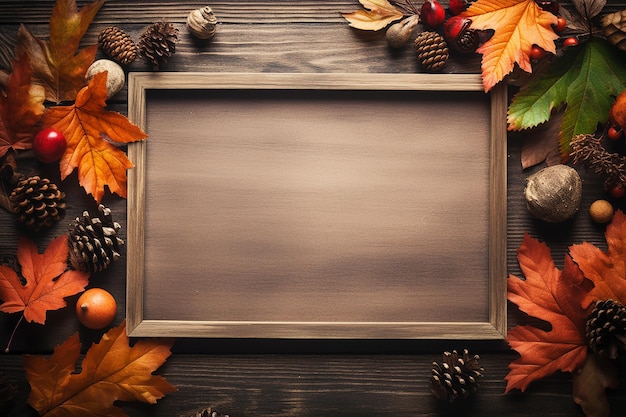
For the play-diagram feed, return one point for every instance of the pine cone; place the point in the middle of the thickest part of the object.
(37, 202)
(456, 377)
(93, 242)
(606, 328)
(208, 412)
(158, 43)
(117, 45)
(432, 51)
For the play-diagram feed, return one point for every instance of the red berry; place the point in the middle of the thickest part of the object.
(561, 24)
(614, 133)
(49, 145)
(571, 41)
(457, 6)
(617, 191)
(537, 53)
(432, 14)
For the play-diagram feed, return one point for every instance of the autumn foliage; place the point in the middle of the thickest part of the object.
(46, 280)
(112, 370)
(564, 299)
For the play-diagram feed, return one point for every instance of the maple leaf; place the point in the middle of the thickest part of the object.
(586, 79)
(92, 133)
(607, 269)
(112, 370)
(553, 296)
(21, 108)
(47, 282)
(57, 63)
(380, 13)
(517, 26)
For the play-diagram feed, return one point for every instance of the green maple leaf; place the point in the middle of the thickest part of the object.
(585, 79)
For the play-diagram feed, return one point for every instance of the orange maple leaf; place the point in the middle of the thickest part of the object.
(379, 14)
(112, 370)
(93, 136)
(607, 269)
(517, 26)
(21, 108)
(58, 65)
(47, 282)
(553, 296)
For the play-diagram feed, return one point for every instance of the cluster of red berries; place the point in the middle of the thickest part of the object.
(560, 26)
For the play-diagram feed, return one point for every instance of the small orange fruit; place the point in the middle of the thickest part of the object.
(96, 308)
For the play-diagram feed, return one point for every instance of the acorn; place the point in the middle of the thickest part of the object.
(399, 33)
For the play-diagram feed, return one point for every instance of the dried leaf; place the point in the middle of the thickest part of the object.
(93, 136)
(111, 371)
(588, 9)
(542, 144)
(517, 25)
(57, 63)
(607, 269)
(590, 384)
(47, 282)
(555, 297)
(21, 108)
(380, 13)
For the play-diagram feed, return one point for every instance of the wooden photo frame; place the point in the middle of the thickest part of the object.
(325, 206)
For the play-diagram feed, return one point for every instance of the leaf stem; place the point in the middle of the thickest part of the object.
(13, 333)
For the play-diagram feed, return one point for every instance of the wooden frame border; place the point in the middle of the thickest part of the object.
(495, 328)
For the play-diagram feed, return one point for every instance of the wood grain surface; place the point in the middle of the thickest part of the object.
(266, 377)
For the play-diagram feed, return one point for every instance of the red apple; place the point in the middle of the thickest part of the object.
(49, 145)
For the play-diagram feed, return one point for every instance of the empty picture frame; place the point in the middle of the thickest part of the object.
(325, 206)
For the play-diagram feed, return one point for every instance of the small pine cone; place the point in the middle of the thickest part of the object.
(37, 202)
(606, 328)
(93, 241)
(432, 51)
(158, 43)
(208, 412)
(117, 45)
(456, 377)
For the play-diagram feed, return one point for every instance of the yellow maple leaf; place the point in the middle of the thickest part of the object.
(379, 14)
(517, 26)
(93, 137)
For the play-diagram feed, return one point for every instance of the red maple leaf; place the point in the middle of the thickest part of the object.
(46, 281)
(553, 296)
(607, 269)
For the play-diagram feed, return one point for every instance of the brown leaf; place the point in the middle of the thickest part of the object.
(111, 371)
(380, 13)
(542, 144)
(57, 63)
(590, 384)
(21, 108)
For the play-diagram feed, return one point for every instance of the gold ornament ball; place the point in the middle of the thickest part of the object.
(601, 211)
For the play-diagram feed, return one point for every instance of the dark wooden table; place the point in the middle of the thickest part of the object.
(294, 377)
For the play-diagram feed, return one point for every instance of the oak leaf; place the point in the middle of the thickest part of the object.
(607, 269)
(555, 297)
(57, 63)
(21, 108)
(380, 13)
(112, 370)
(93, 136)
(517, 26)
(47, 282)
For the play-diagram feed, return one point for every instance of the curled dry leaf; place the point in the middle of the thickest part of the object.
(380, 13)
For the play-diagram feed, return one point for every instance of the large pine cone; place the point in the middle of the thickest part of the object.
(456, 377)
(606, 328)
(158, 43)
(432, 51)
(37, 202)
(93, 242)
(117, 45)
